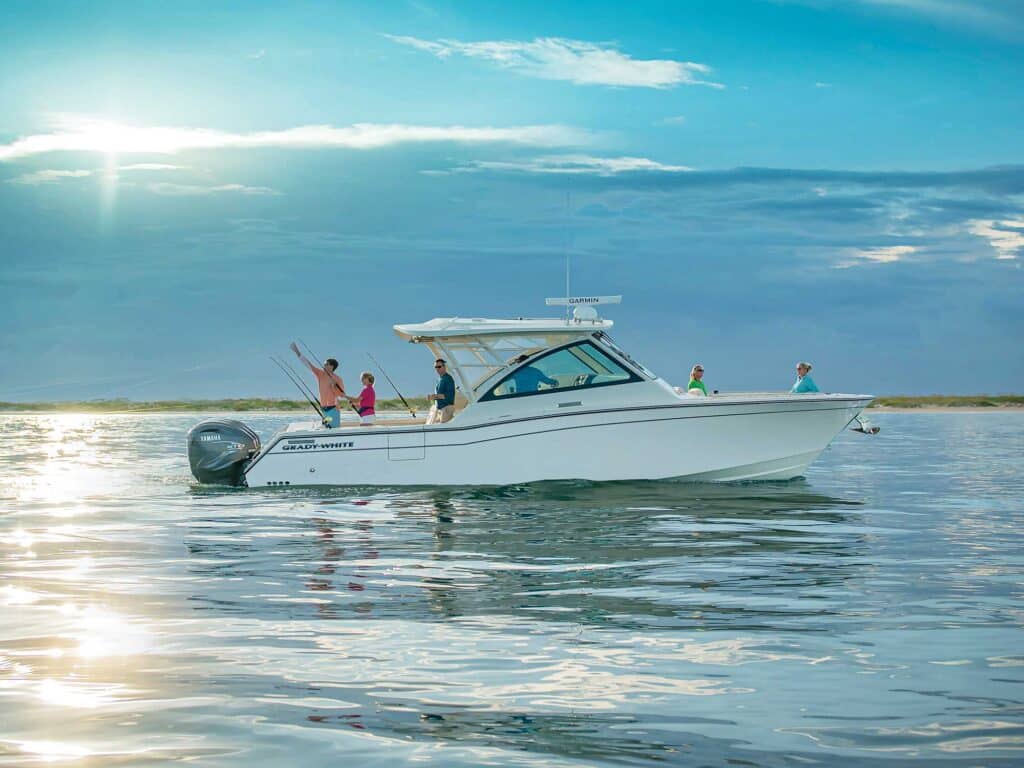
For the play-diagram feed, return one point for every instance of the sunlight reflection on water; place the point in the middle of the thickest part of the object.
(868, 613)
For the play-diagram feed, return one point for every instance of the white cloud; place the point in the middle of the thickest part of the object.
(82, 134)
(192, 190)
(673, 120)
(257, 54)
(577, 61)
(575, 164)
(820, 84)
(999, 17)
(885, 254)
(1006, 236)
(987, 13)
(47, 177)
(150, 167)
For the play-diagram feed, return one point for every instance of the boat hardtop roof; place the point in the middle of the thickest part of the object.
(451, 327)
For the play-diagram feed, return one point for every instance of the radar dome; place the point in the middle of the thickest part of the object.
(584, 312)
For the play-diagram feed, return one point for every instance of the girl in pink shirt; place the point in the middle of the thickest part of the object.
(366, 401)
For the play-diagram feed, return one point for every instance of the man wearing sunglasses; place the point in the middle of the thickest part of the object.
(443, 407)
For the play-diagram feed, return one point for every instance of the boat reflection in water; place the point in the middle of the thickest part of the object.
(564, 587)
(579, 551)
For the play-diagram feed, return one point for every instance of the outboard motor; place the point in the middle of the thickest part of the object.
(220, 449)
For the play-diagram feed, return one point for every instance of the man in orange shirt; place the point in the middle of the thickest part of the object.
(332, 388)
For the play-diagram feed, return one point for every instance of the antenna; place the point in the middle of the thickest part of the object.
(568, 208)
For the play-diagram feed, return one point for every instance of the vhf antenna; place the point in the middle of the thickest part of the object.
(568, 207)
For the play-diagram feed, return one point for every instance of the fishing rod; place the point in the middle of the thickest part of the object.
(381, 367)
(308, 390)
(301, 390)
(340, 390)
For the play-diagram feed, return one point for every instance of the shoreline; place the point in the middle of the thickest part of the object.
(944, 409)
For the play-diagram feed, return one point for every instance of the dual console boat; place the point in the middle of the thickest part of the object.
(539, 399)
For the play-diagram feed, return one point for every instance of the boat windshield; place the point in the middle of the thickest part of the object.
(578, 366)
(605, 339)
(475, 359)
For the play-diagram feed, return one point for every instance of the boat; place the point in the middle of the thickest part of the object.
(539, 399)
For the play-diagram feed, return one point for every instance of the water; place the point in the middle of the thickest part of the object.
(869, 615)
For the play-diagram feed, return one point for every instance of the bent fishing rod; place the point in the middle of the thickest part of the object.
(381, 367)
(301, 390)
(340, 390)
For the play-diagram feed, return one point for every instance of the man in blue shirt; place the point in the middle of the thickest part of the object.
(529, 379)
(444, 395)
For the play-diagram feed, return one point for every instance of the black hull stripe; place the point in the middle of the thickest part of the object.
(536, 432)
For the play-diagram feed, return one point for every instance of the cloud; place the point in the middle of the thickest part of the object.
(575, 61)
(734, 246)
(574, 164)
(982, 12)
(1001, 180)
(257, 54)
(47, 177)
(999, 17)
(879, 254)
(150, 167)
(797, 220)
(820, 84)
(1006, 236)
(191, 190)
(83, 134)
(673, 120)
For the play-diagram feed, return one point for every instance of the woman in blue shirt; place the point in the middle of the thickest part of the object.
(804, 382)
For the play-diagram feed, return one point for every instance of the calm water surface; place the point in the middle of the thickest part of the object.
(868, 615)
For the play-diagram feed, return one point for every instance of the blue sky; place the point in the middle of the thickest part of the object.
(185, 188)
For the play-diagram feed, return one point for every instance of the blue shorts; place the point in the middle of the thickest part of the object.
(332, 414)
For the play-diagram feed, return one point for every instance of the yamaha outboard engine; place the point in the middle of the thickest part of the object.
(220, 449)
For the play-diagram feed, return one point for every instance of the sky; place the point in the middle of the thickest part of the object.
(186, 187)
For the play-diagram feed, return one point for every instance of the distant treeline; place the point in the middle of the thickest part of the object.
(949, 401)
(420, 404)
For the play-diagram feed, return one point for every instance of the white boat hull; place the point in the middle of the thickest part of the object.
(714, 439)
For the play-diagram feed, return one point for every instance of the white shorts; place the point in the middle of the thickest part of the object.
(367, 419)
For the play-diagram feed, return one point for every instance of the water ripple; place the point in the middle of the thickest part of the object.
(868, 614)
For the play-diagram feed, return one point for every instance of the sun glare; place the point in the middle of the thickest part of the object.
(73, 468)
(52, 751)
(112, 138)
(101, 633)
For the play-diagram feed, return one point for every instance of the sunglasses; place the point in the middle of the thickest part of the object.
(439, 366)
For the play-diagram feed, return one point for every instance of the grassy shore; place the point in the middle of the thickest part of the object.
(924, 402)
(938, 402)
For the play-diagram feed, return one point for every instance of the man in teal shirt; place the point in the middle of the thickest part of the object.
(444, 395)
(804, 382)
